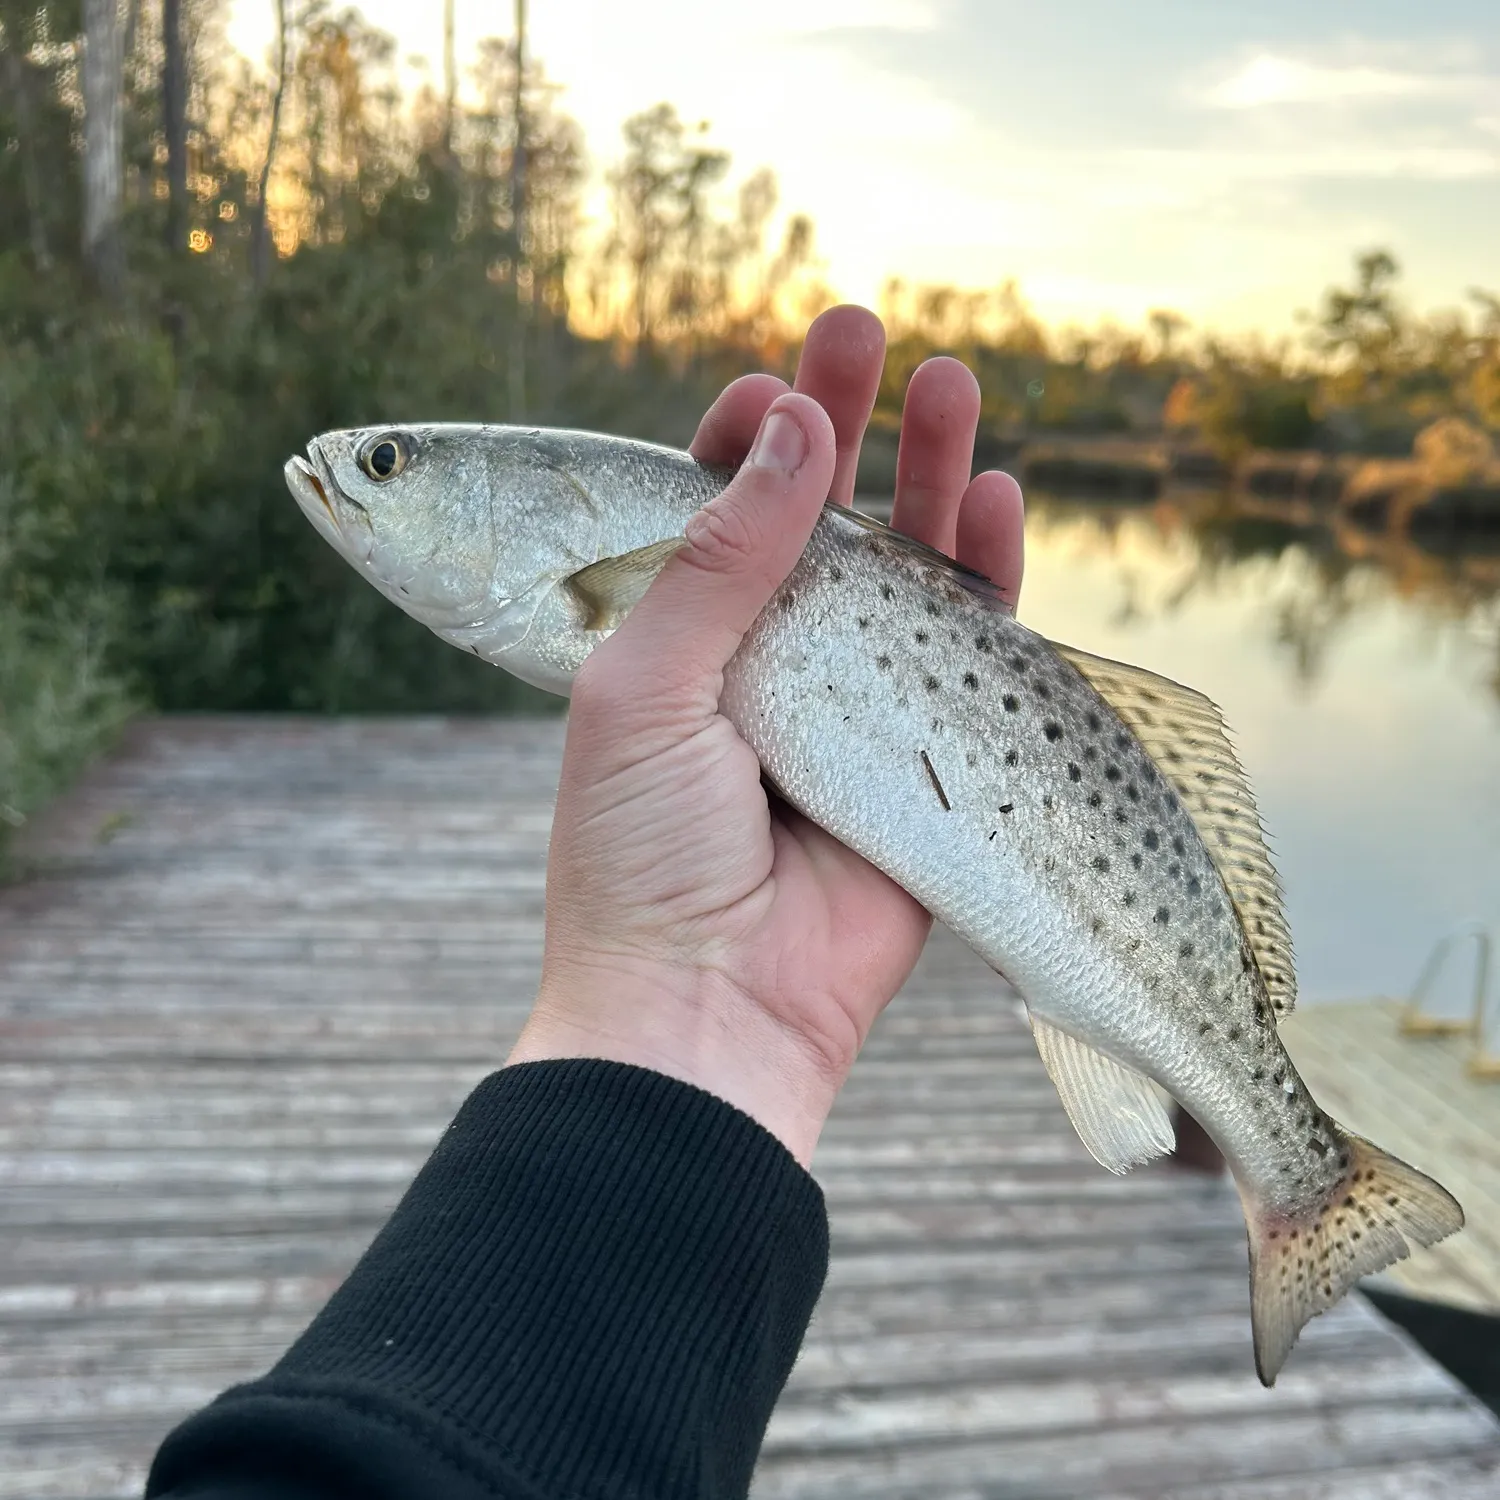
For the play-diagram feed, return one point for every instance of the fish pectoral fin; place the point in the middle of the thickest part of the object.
(610, 588)
(1184, 734)
(1117, 1112)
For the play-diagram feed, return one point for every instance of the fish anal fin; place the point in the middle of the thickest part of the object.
(1302, 1265)
(1184, 734)
(609, 589)
(1116, 1111)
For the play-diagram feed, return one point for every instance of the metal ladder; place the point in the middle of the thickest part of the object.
(1484, 1059)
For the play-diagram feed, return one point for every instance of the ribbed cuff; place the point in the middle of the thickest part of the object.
(595, 1287)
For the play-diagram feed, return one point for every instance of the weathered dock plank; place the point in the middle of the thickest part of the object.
(257, 967)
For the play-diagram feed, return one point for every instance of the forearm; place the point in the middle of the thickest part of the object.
(596, 1286)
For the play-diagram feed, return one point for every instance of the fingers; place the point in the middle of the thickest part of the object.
(675, 643)
(730, 424)
(938, 424)
(991, 532)
(842, 359)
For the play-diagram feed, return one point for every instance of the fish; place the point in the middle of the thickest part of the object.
(1083, 824)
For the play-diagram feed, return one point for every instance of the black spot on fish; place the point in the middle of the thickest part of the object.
(982, 642)
(1151, 839)
(1042, 690)
(883, 662)
(1011, 757)
(971, 681)
(1129, 898)
(1131, 792)
(1094, 722)
(933, 609)
(1074, 774)
(1163, 915)
(1101, 863)
(1007, 807)
(931, 684)
(1121, 816)
(887, 592)
(1053, 730)
(1111, 773)
(1233, 1033)
(921, 637)
(1122, 741)
(1135, 860)
(1204, 1027)
(1095, 800)
(1047, 801)
(864, 622)
(1091, 753)
(836, 574)
(1185, 950)
(1194, 885)
(1010, 703)
(1178, 845)
(1018, 664)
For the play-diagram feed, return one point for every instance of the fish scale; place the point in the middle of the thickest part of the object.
(1084, 825)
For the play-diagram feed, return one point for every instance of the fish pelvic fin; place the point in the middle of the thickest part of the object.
(1301, 1265)
(1117, 1113)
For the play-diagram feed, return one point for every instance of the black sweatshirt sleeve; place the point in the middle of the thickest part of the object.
(596, 1287)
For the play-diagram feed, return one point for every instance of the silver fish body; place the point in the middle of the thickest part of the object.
(1081, 824)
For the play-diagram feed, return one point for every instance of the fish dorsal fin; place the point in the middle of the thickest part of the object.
(610, 588)
(967, 578)
(1184, 734)
(1117, 1113)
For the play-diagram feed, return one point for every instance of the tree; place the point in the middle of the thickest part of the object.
(103, 155)
(174, 123)
(1363, 323)
(16, 72)
(660, 214)
(260, 247)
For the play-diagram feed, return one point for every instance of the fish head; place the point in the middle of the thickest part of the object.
(470, 529)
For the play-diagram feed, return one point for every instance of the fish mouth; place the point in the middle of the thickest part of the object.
(311, 490)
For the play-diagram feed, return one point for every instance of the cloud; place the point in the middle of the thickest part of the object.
(1273, 79)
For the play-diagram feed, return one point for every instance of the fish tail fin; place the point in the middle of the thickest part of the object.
(1300, 1265)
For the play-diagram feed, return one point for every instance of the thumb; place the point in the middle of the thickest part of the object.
(740, 547)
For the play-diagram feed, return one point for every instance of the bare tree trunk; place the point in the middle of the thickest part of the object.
(450, 79)
(103, 159)
(174, 123)
(517, 371)
(19, 87)
(260, 248)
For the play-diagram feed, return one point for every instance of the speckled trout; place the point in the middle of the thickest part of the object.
(1084, 825)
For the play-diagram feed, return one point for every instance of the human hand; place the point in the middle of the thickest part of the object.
(695, 925)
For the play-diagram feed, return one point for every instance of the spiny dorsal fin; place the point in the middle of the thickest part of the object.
(1117, 1113)
(610, 588)
(1184, 734)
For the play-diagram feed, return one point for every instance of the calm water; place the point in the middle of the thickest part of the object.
(1364, 697)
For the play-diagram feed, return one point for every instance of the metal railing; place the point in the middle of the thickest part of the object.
(1484, 1062)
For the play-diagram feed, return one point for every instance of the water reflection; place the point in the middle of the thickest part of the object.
(1361, 678)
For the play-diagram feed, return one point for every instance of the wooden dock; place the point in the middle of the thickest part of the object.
(260, 962)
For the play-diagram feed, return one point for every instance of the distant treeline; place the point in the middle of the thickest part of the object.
(201, 266)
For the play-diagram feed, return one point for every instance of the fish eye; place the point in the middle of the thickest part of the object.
(384, 458)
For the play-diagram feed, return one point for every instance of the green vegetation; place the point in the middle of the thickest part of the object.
(266, 259)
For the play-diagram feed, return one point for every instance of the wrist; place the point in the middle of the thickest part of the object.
(696, 1026)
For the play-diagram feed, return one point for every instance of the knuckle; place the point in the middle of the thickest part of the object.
(726, 535)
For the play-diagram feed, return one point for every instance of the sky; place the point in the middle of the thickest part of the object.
(1222, 160)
